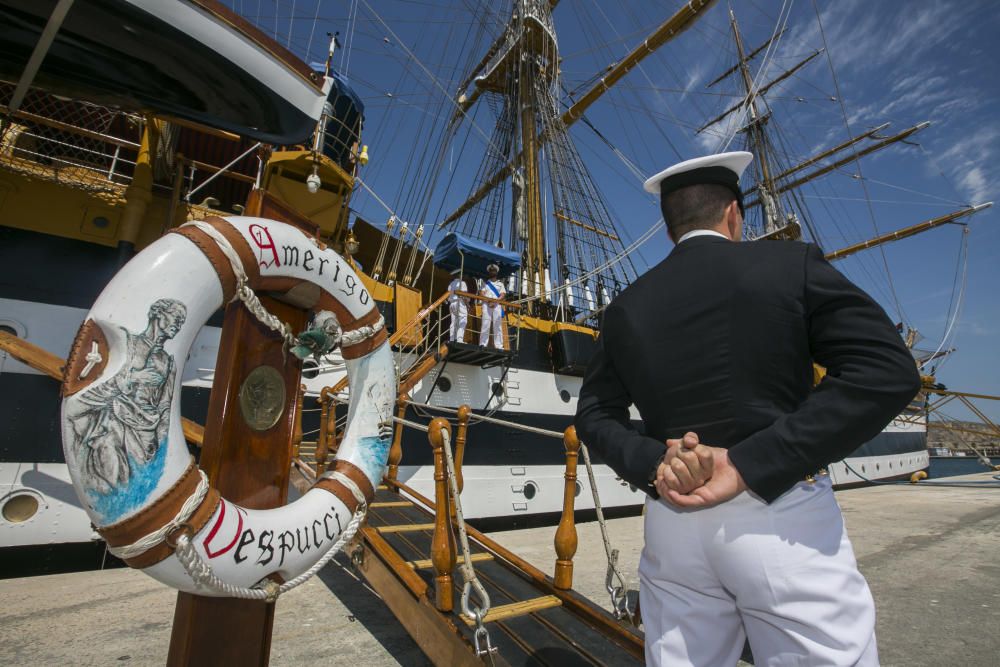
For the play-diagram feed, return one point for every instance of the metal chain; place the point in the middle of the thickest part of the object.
(269, 590)
(471, 581)
(622, 604)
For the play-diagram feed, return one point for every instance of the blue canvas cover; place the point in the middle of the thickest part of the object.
(478, 255)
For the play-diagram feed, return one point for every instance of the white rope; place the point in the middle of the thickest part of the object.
(243, 291)
(361, 334)
(619, 594)
(269, 590)
(144, 544)
(93, 358)
(468, 572)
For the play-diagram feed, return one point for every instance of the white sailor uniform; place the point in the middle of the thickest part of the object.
(459, 308)
(492, 313)
(773, 564)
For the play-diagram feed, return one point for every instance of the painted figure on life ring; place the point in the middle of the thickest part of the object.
(121, 424)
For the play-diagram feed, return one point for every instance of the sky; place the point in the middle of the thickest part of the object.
(888, 61)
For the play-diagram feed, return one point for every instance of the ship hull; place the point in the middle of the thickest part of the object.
(512, 475)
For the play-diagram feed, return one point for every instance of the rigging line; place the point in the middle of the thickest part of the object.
(350, 38)
(905, 202)
(963, 260)
(312, 32)
(614, 260)
(772, 47)
(426, 71)
(854, 151)
(863, 263)
(291, 19)
(388, 208)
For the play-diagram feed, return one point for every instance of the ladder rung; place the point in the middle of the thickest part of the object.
(405, 528)
(514, 609)
(391, 503)
(422, 564)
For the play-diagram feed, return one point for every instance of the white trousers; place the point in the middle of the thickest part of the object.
(783, 575)
(459, 318)
(492, 318)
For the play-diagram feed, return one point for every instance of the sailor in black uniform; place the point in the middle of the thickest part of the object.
(720, 339)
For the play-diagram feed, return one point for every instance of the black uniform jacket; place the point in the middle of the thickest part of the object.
(719, 339)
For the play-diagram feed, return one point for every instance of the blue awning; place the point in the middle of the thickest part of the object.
(477, 254)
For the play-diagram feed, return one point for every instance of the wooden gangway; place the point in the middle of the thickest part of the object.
(531, 621)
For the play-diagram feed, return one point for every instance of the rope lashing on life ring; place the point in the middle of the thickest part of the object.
(121, 423)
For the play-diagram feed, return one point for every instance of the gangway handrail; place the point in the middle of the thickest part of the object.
(491, 420)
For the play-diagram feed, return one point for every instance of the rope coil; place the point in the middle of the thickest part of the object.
(144, 544)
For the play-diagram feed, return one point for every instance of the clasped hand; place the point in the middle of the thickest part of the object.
(693, 474)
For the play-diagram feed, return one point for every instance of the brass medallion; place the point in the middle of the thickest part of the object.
(262, 398)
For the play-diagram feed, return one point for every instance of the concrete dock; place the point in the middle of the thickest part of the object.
(930, 554)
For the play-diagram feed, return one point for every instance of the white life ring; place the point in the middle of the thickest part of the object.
(121, 419)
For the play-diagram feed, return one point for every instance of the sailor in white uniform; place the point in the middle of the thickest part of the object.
(458, 305)
(719, 339)
(492, 312)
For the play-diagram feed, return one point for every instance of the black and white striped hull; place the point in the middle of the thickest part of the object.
(510, 474)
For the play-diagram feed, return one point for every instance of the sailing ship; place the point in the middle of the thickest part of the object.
(94, 166)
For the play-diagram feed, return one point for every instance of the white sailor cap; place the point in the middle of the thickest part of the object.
(719, 169)
(493, 266)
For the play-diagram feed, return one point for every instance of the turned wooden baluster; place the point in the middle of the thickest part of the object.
(443, 543)
(460, 436)
(322, 436)
(566, 533)
(396, 450)
(297, 429)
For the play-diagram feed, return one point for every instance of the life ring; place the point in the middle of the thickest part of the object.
(121, 421)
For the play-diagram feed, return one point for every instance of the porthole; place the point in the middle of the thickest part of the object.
(20, 507)
(579, 489)
(497, 389)
(530, 489)
(100, 222)
(878, 467)
(443, 384)
(13, 327)
(310, 368)
(863, 468)
(564, 395)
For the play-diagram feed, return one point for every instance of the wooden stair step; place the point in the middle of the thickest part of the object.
(390, 503)
(405, 528)
(382, 487)
(515, 609)
(423, 564)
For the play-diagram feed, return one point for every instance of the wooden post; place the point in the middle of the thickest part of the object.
(321, 438)
(396, 449)
(443, 543)
(460, 436)
(250, 468)
(566, 533)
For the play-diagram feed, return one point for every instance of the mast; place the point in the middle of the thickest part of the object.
(912, 230)
(840, 163)
(535, 252)
(672, 27)
(758, 143)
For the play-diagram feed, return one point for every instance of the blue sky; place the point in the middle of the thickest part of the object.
(891, 61)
